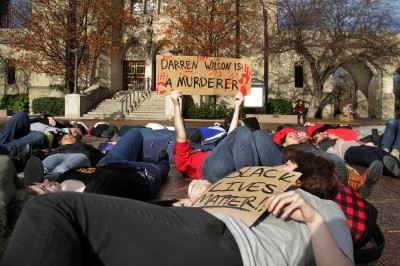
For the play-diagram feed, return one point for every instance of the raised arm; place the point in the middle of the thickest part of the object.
(326, 249)
(178, 120)
(235, 119)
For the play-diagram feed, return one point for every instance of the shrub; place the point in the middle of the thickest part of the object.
(279, 107)
(212, 111)
(53, 106)
(17, 103)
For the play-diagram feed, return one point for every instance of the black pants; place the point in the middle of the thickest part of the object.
(89, 229)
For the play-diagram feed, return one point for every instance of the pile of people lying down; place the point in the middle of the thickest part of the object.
(106, 201)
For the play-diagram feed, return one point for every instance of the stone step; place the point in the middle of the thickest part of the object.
(149, 108)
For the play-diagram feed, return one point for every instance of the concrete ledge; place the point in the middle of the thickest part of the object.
(4, 112)
(281, 119)
(344, 117)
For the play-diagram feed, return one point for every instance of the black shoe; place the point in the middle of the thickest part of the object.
(24, 154)
(13, 151)
(391, 166)
(375, 136)
(33, 172)
(373, 174)
(162, 155)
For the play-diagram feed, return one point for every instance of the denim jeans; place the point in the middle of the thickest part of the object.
(17, 132)
(235, 151)
(391, 136)
(268, 153)
(129, 151)
(87, 229)
(57, 164)
(365, 155)
(164, 134)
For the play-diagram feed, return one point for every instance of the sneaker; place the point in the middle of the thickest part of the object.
(7, 189)
(391, 166)
(33, 172)
(343, 172)
(370, 178)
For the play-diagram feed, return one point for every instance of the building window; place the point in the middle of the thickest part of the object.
(136, 6)
(4, 4)
(163, 6)
(298, 75)
(10, 74)
(151, 6)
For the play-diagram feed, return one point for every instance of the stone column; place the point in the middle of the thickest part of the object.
(72, 105)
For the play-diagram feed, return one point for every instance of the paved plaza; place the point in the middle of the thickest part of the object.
(385, 195)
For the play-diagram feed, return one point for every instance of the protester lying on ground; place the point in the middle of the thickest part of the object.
(356, 153)
(288, 138)
(17, 140)
(121, 172)
(330, 131)
(56, 133)
(300, 229)
(71, 153)
(233, 152)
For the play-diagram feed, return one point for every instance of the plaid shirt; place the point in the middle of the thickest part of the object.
(355, 208)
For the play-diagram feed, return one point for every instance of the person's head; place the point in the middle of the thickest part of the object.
(319, 176)
(76, 132)
(68, 139)
(290, 139)
(318, 137)
(300, 102)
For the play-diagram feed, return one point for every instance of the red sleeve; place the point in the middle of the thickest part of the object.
(310, 130)
(189, 164)
(343, 133)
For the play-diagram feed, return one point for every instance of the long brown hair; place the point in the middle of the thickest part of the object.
(319, 176)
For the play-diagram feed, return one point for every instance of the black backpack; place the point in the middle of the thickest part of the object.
(368, 239)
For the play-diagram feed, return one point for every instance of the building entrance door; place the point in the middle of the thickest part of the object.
(134, 74)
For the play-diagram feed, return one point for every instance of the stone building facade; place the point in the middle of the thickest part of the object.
(135, 63)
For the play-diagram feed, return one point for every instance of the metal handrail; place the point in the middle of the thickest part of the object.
(135, 97)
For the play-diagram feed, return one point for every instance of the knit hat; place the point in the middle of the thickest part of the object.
(282, 134)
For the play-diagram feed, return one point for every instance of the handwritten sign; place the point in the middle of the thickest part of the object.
(243, 193)
(201, 75)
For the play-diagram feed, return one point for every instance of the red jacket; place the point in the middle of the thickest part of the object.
(300, 109)
(189, 164)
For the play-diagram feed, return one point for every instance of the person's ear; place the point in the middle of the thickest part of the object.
(298, 183)
(284, 144)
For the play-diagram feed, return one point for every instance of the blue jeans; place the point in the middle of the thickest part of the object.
(268, 152)
(235, 151)
(128, 151)
(57, 164)
(87, 229)
(391, 136)
(17, 132)
(163, 134)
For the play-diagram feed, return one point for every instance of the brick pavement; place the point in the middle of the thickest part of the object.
(385, 195)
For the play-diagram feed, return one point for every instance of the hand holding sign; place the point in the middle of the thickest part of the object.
(292, 205)
(244, 192)
(239, 99)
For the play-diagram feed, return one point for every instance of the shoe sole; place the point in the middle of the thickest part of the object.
(374, 174)
(33, 172)
(391, 164)
(343, 172)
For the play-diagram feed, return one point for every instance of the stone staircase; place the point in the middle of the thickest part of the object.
(151, 107)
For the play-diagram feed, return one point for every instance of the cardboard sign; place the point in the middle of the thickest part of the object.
(243, 193)
(201, 75)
